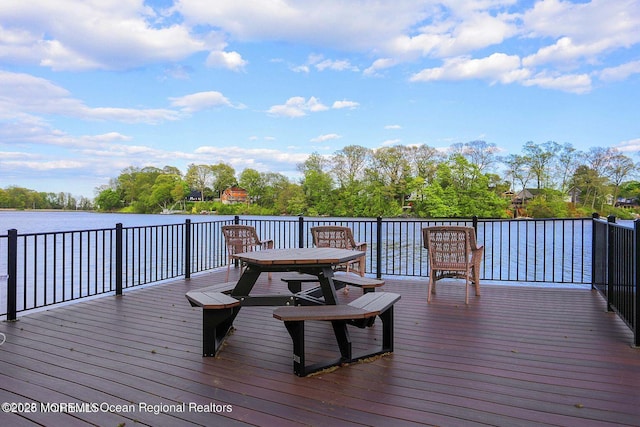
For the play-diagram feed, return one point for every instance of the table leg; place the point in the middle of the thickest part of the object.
(328, 288)
(246, 282)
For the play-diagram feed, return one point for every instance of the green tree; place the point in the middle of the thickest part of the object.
(391, 168)
(162, 191)
(223, 177)
(539, 158)
(252, 181)
(108, 200)
(199, 177)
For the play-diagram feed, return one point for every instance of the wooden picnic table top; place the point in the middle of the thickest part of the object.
(299, 256)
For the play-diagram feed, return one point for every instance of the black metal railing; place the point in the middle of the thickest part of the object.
(50, 268)
(616, 252)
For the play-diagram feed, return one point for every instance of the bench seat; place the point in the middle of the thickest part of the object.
(340, 280)
(218, 312)
(355, 313)
(367, 284)
(210, 300)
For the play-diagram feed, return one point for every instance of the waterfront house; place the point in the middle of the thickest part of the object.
(233, 195)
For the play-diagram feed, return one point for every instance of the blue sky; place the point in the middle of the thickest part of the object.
(88, 88)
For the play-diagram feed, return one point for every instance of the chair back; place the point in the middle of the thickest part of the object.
(449, 247)
(331, 236)
(240, 238)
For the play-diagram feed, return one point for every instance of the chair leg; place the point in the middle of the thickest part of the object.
(466, 288)
(430, 287)
(228, 269)
(476, 280)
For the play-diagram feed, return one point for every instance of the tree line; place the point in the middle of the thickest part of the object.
(465, 180)
(15, 197)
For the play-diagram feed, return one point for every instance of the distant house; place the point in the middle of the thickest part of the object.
(525, 195)
(194, 196)
(574, 195)
(627, 203)
(234, 195)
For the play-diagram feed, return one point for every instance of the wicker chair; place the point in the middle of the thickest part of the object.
(242, 238)
(340, 237)
(453, 252)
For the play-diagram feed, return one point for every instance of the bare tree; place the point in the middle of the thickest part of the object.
(618, 169)
(349, 163)
(480, 153)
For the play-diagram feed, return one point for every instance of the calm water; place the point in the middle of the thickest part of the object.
(38, 221)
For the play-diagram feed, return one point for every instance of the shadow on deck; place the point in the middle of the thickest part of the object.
(515, 356)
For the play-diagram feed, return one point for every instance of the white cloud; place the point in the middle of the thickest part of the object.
(231, 60)
(632, 145)
(393, 127)
(621, 72)
(326, 137)
(345, 104)
(575, 83)
(201, 101)
(380, 64)
(26, 94)
(72, 35)
(336, 65)
(297, 107)
(564, 51)
(262, 159)
(498, 67)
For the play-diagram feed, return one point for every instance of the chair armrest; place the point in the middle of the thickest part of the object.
(267, 243)
(361, 246)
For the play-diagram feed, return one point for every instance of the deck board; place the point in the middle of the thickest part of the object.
(514, 356)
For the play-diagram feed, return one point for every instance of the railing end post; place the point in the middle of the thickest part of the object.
(119, 258)
(187, 249)
(12, 270)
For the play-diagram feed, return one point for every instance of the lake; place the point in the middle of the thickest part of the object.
(49, 221)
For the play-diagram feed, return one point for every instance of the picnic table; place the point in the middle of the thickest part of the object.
(221, 303)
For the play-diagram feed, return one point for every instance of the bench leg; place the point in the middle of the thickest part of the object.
(296, 331)
(342, 337)
(387, 330)
(216, 324)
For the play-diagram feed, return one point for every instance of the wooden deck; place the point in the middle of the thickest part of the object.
(515, 356)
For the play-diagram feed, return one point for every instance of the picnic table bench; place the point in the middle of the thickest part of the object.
(218, 309)
(357, 313)
(295, 280)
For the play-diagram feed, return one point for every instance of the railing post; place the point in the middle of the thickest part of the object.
(379, 248)
(594, 251)
(119, 258)
(187, 249)
(236, 220)
(474, 222)
(301, 232)
(12, 270)
(636, 284)
(611, 219)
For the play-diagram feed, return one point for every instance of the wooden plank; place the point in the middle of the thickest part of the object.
(320, 312)
(359, 281)
(515, 356)
(219, 287)
(209, 300)
(375, 303)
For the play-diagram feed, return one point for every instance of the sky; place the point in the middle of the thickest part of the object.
(91, 87)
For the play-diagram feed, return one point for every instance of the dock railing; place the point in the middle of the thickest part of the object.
(616, 272)
(44, 269)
